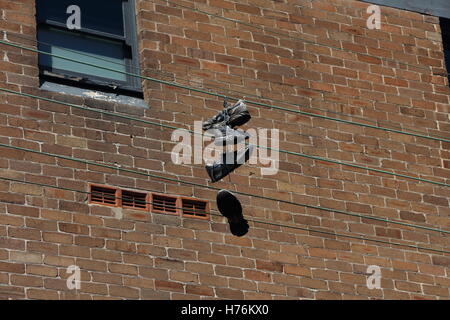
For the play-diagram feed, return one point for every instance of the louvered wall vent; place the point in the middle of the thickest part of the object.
(103, 195)
(194, 208)
(135, 200)
(158, 203)
(164, 204)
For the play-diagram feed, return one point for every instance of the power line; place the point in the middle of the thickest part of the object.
(191, 131)
(224, 96)
(165, 74)
(320, 208)
(217, 189)
(251, 220)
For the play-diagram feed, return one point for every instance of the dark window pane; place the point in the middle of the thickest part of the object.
(445, 30)
(100, 15)
(80, 46)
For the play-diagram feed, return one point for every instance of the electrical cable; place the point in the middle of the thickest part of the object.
(320, 208)
(400, 127)
(191, 131)
(251, 220)
(217, 189)
(223, 96)
(279, 150)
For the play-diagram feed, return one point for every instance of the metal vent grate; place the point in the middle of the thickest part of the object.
(136, 200)
(103, 195)
(194, 208)
(164, 204)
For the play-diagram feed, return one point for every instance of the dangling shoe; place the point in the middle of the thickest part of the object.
(230, 207)
(218, 121)
(238, 114)
(233, 116)
(219, 170)
(227, 136)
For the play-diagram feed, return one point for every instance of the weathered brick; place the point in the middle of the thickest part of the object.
(328, 64)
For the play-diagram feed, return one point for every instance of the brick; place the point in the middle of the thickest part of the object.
(42, 271)
(25, 257)
(169, 286)
(156, 256)
(12, 267)
(122, 269)
(229, 294)
(228, 271)
(181, 276)
(26, 281)
(121, 291)
(297, 270)
(56, 237)
(200, 290)
(107, 278)
(94, 288)
(154, 295)
(441, 261)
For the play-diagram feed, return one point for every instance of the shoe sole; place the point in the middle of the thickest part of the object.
(230, 207)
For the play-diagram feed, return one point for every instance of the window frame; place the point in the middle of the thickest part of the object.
(132, 85)
(444, 24)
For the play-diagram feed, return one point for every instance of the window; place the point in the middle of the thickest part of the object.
(445, 29)
(194, 208)
(101, 32)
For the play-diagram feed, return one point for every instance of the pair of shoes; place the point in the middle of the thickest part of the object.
(226, 136)
(230, 207)
(223, 124)
(230, 161)
(232, 116)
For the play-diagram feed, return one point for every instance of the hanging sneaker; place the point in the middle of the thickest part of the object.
(233, 116)
(230, 161)
(230, 207)
(227, 136)
(238, 113)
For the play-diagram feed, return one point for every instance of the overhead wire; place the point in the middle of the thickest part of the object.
(248, 219)
(197, 133)
(366, 217)
(320, 208)
(225, 96)
(174, 77)
(217, 189)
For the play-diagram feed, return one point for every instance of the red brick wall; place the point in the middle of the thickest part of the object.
(321, 56)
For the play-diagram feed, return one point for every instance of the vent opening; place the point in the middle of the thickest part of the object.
(135, 200)
(103, 195)
(164, 204)
(195, 208)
